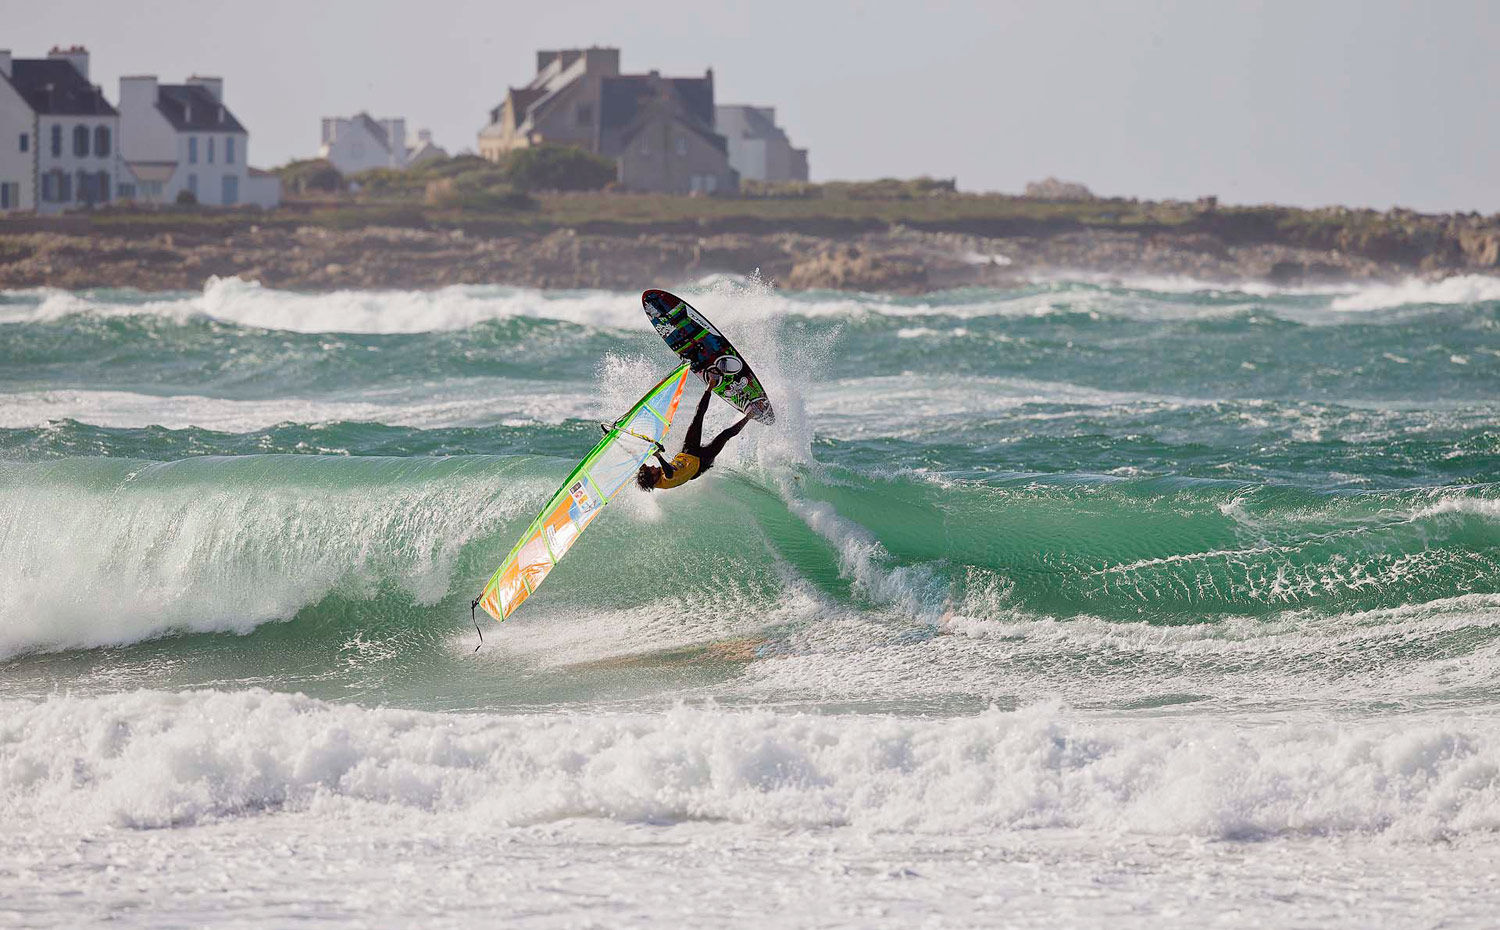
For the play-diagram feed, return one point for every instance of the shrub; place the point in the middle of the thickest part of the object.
(310, 174)
(557, 168)
(187, 198)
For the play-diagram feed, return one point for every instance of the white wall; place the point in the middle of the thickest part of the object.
(17, 167)
(146, 135)
(210, 175)
(262, 190)
(71, 163)
(349, 146)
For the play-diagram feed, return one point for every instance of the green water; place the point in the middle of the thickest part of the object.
(1125, 496)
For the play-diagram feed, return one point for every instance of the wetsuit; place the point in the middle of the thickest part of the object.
(696, 458)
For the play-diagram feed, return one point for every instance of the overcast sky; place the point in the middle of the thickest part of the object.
(1376, 103)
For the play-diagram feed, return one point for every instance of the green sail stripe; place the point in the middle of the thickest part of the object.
(581, 469)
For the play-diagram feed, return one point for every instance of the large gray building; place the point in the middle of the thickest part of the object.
(659, 130)
(758, 149)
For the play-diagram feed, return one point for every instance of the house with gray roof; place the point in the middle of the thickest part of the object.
(59, 136)
(361, 142)
(182, 137)
(659, 130)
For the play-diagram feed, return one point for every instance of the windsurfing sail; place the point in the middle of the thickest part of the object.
(610, 466)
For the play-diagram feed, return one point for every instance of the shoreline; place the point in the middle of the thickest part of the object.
(621, 242)
(900, 260)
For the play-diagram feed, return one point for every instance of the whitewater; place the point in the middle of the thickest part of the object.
(1149, 603)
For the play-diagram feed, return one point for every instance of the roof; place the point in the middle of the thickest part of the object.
(622, 98)
(52, 86)
(756, 123)
(190, 107)
(376, 131)
(693, 126)
(152, 170)
(521, 99)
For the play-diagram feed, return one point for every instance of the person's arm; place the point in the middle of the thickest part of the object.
(666, 467)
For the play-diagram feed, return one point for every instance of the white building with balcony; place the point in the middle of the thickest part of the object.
(59, 137)
(181, 137)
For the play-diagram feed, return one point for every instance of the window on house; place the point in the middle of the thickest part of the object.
(210, 150)
(5, 201)
(85, 187)
(64, 187)
(101, 141)
(192, 150)
(681, 145)
(229, 150)
(25, 142)
(56, 140)
(193, 184)
(645, 147)
(126, 191)
(49, 187)
(80, 141)
(231, 190)
(101, 187)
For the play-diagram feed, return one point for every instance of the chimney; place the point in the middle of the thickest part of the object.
(214, 86)
(543, 59)
(424, 136)
(75, 55)
(5, 61)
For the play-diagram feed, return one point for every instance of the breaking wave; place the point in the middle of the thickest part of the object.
(150, 759)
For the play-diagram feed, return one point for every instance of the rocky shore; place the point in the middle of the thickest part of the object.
(895, 259)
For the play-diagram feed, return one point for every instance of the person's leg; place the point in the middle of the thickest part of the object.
(694, 440)
(712, 450)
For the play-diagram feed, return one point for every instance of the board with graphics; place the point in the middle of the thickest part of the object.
(699, 343)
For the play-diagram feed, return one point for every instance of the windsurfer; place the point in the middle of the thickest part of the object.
(695, 457)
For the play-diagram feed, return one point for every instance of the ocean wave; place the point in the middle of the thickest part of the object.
(450, 403)
(147, 759)
(1459, 289)
(1080, 296)
(104, 552)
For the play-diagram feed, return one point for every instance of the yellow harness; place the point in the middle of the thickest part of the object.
(684, 469)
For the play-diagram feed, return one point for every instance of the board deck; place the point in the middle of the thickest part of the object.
(699, 343)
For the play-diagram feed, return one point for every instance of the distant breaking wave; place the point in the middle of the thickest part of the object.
(248, 304)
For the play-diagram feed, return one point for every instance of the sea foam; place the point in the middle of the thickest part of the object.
(149, 759)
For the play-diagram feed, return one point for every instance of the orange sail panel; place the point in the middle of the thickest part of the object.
(608, 467)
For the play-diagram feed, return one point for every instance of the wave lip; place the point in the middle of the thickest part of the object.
(148, 759)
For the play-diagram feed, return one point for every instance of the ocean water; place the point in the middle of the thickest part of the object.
(1149, 604)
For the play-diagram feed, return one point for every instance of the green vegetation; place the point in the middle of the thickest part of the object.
(472, 184)
(310, 175)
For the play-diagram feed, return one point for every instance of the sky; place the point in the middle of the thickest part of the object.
(1360, 102)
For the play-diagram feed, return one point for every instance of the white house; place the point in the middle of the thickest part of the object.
(181, 137)
(758, 148)
(362, 142)
(59, 137)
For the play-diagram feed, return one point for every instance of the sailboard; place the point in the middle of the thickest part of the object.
(699, 343)
(609, 466)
